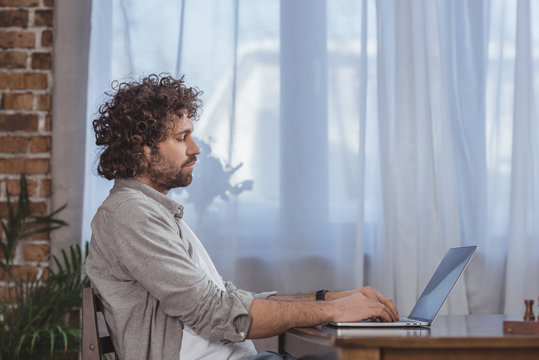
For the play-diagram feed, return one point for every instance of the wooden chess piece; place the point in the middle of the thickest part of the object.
(528, 315)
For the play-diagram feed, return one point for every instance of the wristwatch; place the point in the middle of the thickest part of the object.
(321, 295)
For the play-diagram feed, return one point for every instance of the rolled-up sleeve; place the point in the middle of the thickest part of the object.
(243, 323)
(230, 287)
(149, 248)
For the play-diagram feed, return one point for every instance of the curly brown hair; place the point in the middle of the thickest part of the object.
(138, 114)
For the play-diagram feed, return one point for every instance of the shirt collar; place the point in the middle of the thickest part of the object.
(175, 208)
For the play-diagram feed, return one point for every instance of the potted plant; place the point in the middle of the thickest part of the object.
(35, 313)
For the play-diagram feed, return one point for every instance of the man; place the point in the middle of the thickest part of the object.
(162, 296)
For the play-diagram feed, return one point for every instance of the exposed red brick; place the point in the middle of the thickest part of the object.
(45, 274)
(45, 188)
(18, 122)
(38, 208)
(21, 80)
(48, 123)
(4, 80)
(19, 3)
(2, 257)
(45, 235)
(14, 189)
(41, 61)
(40, 144)
(20, 272)
(39, 236)
(36, 252)
(8, 294)
(13, 144)
(16, 80)
(12, 59)
(17, 39)
(19, 101)
(43, 18)
(24, 165)
(44, 102)
(46, 38)
(26, 43)
(17, 17)
(12, 165)
(35, 210)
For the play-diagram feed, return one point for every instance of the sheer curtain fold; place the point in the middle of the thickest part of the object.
(464, 55)
(523, 249)
(359, 270)
(421, 206)
(347, 143)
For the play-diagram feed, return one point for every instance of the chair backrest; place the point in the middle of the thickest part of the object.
(93, 346)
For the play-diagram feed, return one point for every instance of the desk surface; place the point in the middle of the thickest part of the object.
(467, 334)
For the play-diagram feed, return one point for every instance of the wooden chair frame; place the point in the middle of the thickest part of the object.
(93, 346)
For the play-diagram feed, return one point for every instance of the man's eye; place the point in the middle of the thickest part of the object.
(182, 139)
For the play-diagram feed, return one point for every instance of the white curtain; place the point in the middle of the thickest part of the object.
(523, 245)
(347, 142)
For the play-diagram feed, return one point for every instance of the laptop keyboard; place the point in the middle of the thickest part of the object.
(407, 320)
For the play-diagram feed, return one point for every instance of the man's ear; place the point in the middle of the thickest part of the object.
(147, 152)
(138, 139)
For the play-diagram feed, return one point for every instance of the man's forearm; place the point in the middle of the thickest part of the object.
(292, 298)
(273, 317)
(277, 314)
(330, 295)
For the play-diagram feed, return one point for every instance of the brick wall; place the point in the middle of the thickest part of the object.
(26, 38)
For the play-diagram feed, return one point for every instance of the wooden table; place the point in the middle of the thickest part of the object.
(450, 337)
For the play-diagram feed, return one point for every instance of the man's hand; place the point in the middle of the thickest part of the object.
(370, 293)
(359, 307)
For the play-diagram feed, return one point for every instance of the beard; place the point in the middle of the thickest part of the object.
(164, 174)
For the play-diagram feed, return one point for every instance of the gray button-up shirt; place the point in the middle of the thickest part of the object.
(148, 282)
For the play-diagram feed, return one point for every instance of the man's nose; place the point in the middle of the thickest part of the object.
(193, 148)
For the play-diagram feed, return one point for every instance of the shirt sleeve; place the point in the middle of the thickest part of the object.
(149, 248)
(263, 295)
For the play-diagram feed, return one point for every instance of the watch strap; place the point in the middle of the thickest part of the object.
(321, 295)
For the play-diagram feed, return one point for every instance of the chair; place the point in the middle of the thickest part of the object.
(93, 346)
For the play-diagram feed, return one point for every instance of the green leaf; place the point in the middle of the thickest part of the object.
(64, 335)
(58, 264)
(21, 341)
(9, 207)
(51, 334)
(39, 231)
(19, 224)
(57, 211)
(7, 269)
(66, 261)
(23, 204)
(35, 336)
(75, 260)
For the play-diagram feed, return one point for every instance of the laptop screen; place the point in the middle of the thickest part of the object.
(441, 283)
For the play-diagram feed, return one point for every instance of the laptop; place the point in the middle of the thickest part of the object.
(433, 297)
